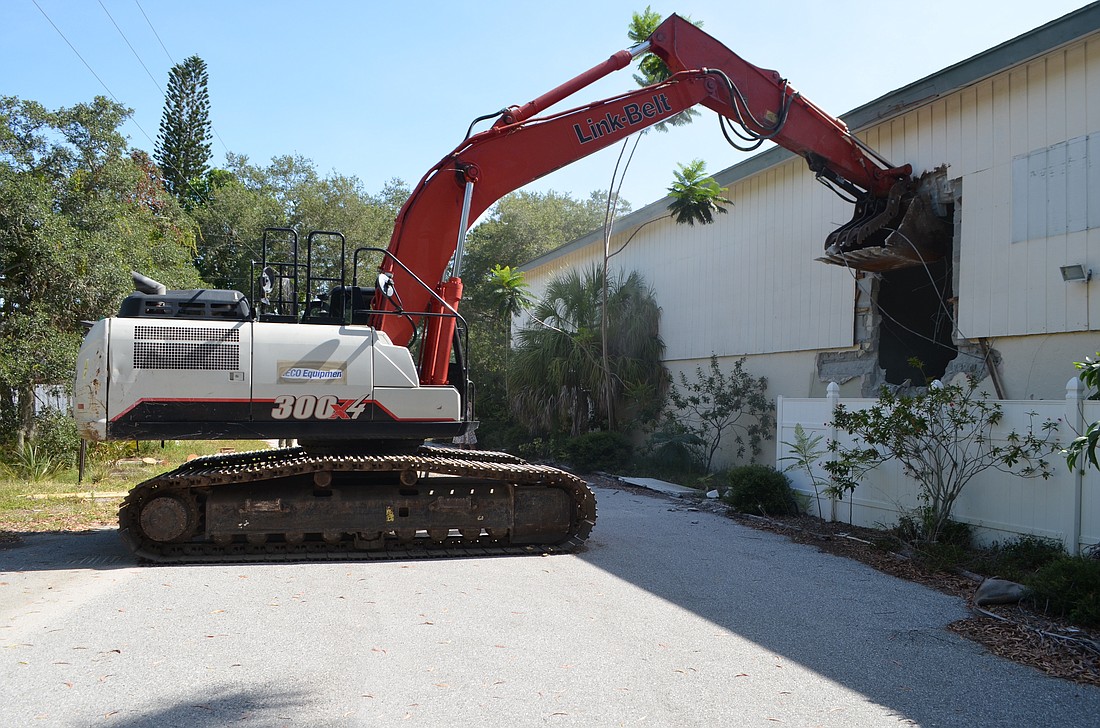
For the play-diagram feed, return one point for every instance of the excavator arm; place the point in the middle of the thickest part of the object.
(520, 147)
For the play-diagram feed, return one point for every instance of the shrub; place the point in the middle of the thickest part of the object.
(56, 436)
(1069, 586)
(1018, 559)
(33, 464)
(943, 436)
(761, 489)
(920, 526)
(714, 405)
(675, 448)
(598, 451)
(536, 448)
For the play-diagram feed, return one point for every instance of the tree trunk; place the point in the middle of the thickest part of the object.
(24, 431)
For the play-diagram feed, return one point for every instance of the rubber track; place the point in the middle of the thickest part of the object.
(259, 465)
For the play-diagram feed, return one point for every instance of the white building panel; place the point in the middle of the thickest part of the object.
(1019, 130)
(746, 284)
(1037, 206)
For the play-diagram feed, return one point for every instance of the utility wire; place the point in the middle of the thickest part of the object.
(155, 33)
(130, 46)
(918, 334)
(86, 64)
(198, 193)
(138, 57)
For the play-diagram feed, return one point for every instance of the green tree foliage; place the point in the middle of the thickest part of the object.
(230, 221)
(183, 144)
(1085, 444)
(77, 213)
(242, 200)
(711, 405)
(808, 453)
(695, 196)
(556, 378)
(652, 69)
(524, 225)
(509, 291)
(519, 227)
(943, 438)
(759, 489)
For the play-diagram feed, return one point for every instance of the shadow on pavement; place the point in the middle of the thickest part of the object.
(101, 549)
(206, 711)
(878, 635)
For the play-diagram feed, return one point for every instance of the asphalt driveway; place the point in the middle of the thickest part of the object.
(670, 617)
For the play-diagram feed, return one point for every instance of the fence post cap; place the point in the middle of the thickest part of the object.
(833, 388)
(1074, 388)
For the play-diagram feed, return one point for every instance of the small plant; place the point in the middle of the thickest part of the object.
(1018, 559)
(34, 465)
(943, 437)
(103, 458)
(1087, 442)
(917, 526)
(762, 490)
(808, 452)
(713, 404)
(536, 448)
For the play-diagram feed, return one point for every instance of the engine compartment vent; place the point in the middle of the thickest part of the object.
(178, 347)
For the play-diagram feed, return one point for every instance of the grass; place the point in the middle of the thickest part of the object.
(65, 505)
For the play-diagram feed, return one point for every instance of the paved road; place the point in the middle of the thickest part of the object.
(671, 617)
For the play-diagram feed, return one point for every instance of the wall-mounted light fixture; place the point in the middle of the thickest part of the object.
(1076, 272)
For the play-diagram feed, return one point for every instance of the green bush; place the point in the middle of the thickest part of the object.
(32, 464)
(1069, 587)
(919, 527)
(598, 451)
(762, 490)
(536, 448)
(1018, 559)
(56, 436)
(673, 447)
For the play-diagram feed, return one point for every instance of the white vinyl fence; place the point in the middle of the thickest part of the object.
(1000, 506)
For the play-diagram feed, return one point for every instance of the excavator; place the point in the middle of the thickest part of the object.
(367, 370)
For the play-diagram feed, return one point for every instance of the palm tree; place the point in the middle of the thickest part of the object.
(509, 291)
(695, 197)
(557, 376)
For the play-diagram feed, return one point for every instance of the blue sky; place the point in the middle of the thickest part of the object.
(381, 90)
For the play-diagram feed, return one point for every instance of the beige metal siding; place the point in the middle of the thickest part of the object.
(1014, 124)
(748, 283)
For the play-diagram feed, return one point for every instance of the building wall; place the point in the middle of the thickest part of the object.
(747, 284)
(1022, 147)
(1025, 144)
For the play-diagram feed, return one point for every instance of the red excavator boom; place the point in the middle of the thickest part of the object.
(521, 147)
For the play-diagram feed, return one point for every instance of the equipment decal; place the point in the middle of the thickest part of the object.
(325, 407)
(631, 115)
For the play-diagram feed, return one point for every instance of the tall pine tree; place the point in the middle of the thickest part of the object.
(183, 144)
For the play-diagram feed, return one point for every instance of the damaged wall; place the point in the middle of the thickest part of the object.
(1018, 129)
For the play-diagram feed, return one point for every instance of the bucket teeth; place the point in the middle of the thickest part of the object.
(899, 231)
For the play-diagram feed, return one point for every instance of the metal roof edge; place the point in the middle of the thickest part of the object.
(1058, 32)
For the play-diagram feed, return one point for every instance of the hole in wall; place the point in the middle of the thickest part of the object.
(916, 322)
